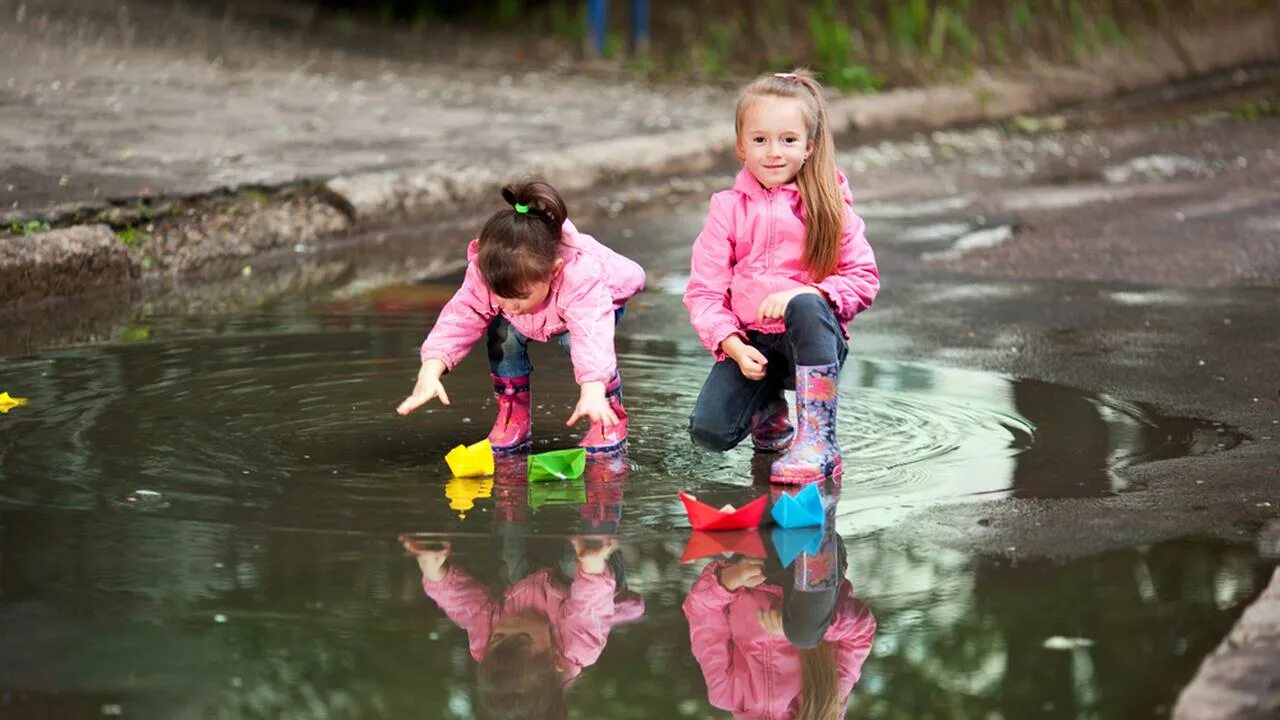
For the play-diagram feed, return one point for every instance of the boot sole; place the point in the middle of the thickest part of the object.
(774, 448)
(604, 449)
(512, 449)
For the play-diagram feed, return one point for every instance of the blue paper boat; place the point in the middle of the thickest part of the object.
(802, 510)
(790, 543)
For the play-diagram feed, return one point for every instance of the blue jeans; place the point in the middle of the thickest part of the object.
(721, 417)
(509, 348)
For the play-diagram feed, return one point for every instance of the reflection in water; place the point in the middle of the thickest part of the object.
(551, 617)
(781, 636)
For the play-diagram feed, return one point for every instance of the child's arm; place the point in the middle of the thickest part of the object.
(854, 285)
(587, 616)
(706, 607)
(462, 598)
(463, 320)
(710, 274)
(587, 306)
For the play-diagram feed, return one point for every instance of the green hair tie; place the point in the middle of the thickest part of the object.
(522, 209)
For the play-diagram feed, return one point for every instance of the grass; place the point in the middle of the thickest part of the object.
(19, 227)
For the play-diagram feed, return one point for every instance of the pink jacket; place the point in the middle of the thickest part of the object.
(595, 282)
(752, 246)
(581, 615)
(754, 674)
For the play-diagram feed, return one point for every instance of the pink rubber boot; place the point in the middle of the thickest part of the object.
(512, 430)
(771, 428)
(600, 439)
(815, 454)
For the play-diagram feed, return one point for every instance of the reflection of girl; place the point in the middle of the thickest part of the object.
(779, 643)
(540, 635)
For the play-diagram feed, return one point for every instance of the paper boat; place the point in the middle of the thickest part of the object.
(557, 465)
(705, 517)
(542, 495)
(474, 460)
(804, 509)
(790, 543)
(730, 542)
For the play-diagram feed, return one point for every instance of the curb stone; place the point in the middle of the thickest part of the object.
(1237, 681)
(63, 261)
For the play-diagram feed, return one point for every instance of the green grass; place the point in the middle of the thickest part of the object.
(19, 227)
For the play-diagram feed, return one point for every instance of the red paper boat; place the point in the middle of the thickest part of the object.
(704, 517)
(740, 542)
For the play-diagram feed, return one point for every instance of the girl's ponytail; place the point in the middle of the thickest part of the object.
(537, 199)
(820, 189)
(519, 246)
(819, 684)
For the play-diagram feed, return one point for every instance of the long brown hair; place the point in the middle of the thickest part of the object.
(819, 684)
(818, 181)
(519, 246)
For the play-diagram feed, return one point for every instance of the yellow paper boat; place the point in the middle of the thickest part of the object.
(471, 460)
(8, 402)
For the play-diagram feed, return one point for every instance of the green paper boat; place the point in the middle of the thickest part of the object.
(543, 495)
(557, 465)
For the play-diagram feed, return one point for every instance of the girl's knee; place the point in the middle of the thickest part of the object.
(807, 306)
(711, 436)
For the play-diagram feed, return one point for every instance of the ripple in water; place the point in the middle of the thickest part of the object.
(298, 430)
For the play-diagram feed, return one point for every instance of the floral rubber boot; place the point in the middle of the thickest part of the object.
(815, 454)
(771, 428)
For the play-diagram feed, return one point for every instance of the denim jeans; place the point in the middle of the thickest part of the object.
(509, 348)
(722, 415)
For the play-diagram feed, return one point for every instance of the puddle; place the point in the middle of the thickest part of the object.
(206, 520)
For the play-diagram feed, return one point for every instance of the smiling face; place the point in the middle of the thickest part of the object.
(773, 139)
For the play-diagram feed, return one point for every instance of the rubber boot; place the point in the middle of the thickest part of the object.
(815, 454)
(512, 431)
(771, 428)
(601, 440)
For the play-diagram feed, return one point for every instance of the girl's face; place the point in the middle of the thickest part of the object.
(535, 627)
(535, 295)
(773, 141)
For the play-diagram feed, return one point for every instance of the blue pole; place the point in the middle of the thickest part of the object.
(640, 22)
(597, 17)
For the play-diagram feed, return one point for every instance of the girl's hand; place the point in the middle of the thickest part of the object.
(747, 572)
(427, 387)
(593, 553)
(750, 360)
(430, 561)
(770, 621)
(592, 403)
(775, 305)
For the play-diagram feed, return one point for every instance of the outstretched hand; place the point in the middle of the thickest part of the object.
(431, 560)
(426, 388)
(593, 404)
(593, 553)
